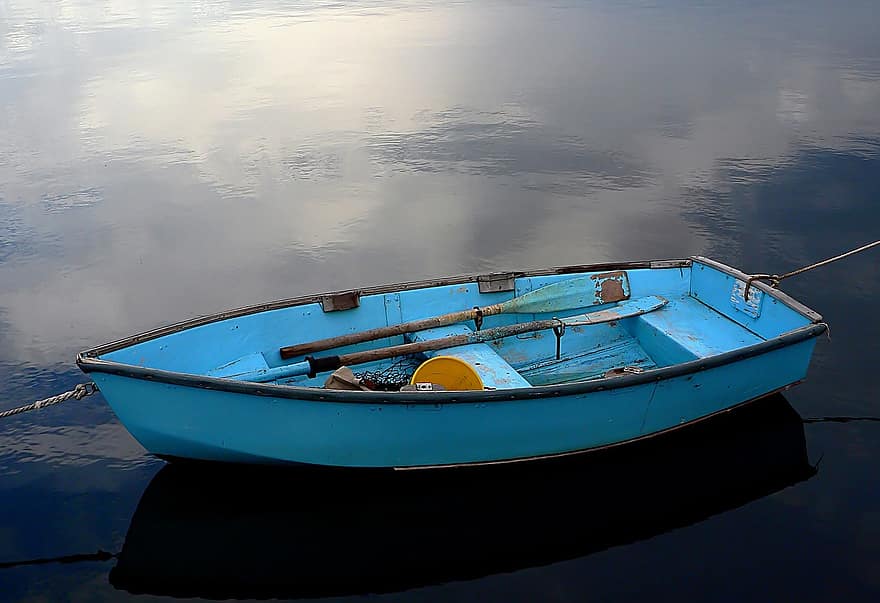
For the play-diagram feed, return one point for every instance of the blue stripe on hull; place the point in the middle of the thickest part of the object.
(180, 421)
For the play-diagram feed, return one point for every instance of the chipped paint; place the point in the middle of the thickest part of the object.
(611, 287)
(751, 306)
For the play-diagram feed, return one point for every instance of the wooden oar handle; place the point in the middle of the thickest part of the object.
(311, 347)
(311, 366)
(577, 292)
(445, 342)
(620, 312)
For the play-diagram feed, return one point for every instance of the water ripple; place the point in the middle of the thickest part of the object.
(501, 144)
(108, 445)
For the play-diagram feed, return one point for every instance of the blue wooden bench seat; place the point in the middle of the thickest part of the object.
(687, 329)
(494, 371)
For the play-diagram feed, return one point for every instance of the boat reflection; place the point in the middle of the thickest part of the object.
(221, 532)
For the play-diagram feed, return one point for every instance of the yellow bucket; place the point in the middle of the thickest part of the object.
(450, 372)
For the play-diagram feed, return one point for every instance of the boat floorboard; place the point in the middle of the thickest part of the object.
(588, 364)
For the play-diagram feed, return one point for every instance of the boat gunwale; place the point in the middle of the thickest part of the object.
(313, 394)
(301, 300)
(290, 302)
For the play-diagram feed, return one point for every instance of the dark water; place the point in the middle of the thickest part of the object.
(163, 160)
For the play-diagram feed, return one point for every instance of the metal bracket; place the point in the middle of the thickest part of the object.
(345, 300)
(559, 331)
(658, 264)
(496, 282)
(478, 318)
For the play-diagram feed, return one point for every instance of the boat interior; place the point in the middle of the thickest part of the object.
(704, 313)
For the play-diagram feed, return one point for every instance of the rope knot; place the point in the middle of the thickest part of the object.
(84, 389)
(78, 393)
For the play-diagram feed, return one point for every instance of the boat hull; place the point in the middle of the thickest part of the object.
(215, 424)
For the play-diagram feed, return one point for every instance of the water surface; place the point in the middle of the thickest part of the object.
(160, 161)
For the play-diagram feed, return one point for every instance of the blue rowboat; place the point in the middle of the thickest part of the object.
(570, 360)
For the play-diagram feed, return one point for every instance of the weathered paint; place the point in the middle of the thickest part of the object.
(572, 293)
(249, 363)
(686, 329)
(611, 287)
(589, 364)
(751, 306)
(159, 386)
(314, 365)
(713, 287)
(580, 292)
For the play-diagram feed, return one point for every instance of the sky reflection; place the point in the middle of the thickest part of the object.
(164, 160)
(161, 161)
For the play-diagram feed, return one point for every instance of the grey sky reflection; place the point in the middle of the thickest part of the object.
(161, 161)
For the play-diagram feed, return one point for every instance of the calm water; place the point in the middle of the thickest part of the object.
(163, 160)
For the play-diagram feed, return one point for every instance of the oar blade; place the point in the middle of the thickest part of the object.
(627, 309)
(580, 292)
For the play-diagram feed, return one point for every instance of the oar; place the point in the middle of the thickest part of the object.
(312, 366)
(564, 295)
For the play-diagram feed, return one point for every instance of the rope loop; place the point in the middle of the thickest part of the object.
(772, 279)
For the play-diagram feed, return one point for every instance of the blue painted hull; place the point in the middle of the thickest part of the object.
(177, 421)
(199, 417)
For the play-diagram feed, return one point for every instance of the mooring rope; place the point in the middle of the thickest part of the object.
(79, 392)
(840, 419)
(774, 279)
(100, 555)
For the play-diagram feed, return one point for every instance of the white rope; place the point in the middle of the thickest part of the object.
(79, 392)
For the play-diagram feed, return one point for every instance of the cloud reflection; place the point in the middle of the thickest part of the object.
(161, 161)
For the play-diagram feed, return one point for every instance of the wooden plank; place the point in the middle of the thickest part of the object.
(588, 364)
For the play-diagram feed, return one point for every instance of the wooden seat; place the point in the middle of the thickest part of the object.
(495, 372)
(677, 333)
